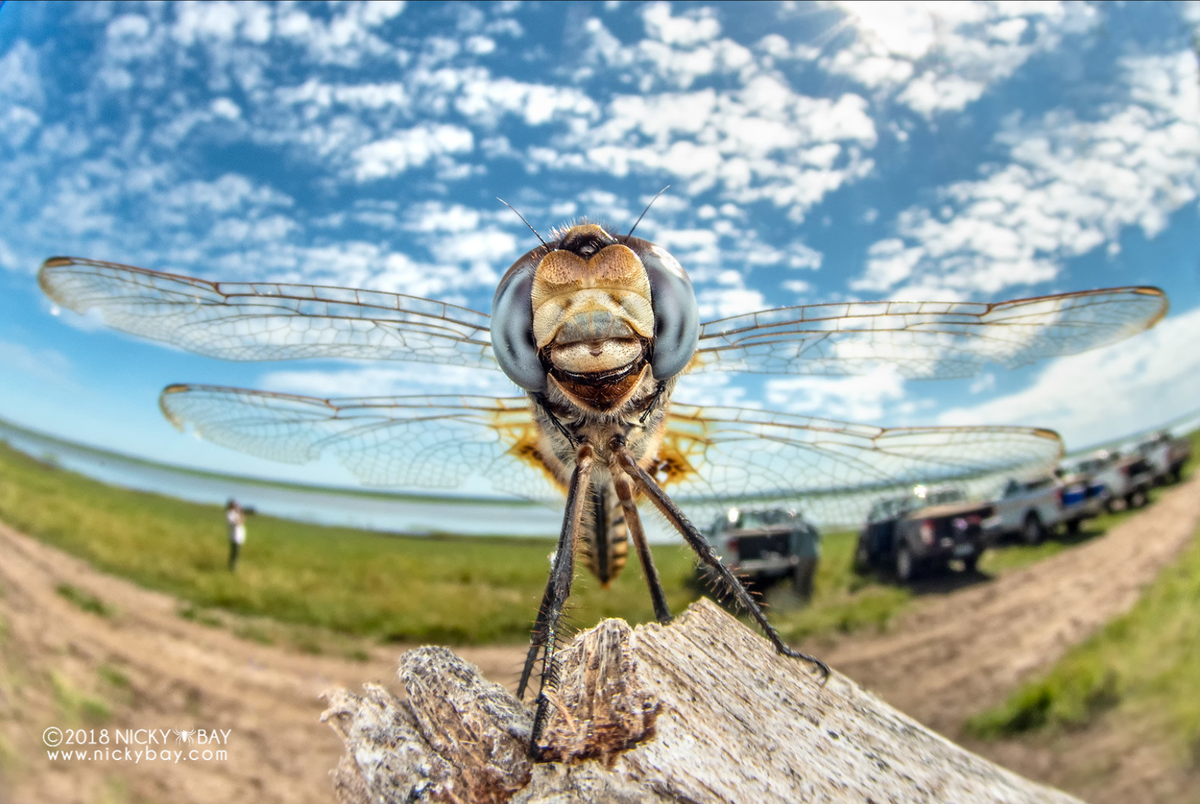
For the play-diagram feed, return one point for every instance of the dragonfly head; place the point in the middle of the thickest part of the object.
(593, 308)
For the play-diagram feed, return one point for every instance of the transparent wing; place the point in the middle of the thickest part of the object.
(269, 321)
(472, 444)
(715, 457)
(711, 458)
(925, 339)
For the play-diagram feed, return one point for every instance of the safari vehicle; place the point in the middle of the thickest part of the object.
(1083, 495)
(1029, 510)
(1127, 477)
(766, 546)
(922, 531)
(1165, 455)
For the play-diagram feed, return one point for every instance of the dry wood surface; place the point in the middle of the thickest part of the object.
(699, 711)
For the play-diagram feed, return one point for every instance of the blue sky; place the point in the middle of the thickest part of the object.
(815, 152)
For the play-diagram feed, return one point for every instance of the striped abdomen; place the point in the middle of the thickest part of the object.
(605, 533)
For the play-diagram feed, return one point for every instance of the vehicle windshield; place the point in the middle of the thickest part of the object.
(897, 507)
(750, 520)
(944, 496)
(1086, 466)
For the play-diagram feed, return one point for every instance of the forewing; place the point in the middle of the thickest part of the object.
(831, 471)
(269, 321)
(466, 443)
(925, 339)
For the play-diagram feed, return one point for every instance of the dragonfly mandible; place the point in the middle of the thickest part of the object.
(595, 328)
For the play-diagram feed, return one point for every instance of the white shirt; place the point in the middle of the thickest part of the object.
(237, 525)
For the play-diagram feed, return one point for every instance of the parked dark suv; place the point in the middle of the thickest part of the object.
(766, 546)
(921, 531)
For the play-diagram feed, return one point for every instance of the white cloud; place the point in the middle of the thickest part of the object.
(224, 107)
(407, 149)
(712, 389)
(344, 40)
(21, 96)
(45, 364)
(764, 142)
(434, 216)
(1069, 186)
(1106, 393)
(857, 399)
(982, 383)
(937, 57)
(228, 193)
(485, 99)
(216, 20)
(480, 45)
(723, 302)
(687, 30)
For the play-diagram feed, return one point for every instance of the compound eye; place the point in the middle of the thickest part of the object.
(676, 316)
(512, 327)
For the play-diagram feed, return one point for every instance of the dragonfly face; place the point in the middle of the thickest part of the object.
(593, 318)
(596, 328)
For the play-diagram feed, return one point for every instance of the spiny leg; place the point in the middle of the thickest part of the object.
(539, 629)
(559, 589)
(698, 543)
(624, 487)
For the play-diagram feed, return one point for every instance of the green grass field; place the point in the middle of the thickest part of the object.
(1144, 665)
(457, 590)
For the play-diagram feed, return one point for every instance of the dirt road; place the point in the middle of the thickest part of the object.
(950, 655)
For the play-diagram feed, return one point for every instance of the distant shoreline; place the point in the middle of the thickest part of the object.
(394, 496)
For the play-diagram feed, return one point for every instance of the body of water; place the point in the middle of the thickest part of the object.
(327, 506)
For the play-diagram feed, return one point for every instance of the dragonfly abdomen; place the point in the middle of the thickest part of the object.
(605, 533)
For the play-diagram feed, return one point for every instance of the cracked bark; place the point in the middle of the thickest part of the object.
(699, 711)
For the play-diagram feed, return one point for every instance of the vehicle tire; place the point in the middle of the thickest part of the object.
(1032, 532)
(906, 564)
(862, 559)
(1073, 525)
(1176, 473)
(1136, 498)
(802, 579)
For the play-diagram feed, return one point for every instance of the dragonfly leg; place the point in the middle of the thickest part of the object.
(698, 543)
(624, 488)
(538, 637)
(558, 589)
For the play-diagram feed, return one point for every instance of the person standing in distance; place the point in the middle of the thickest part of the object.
(235, 519)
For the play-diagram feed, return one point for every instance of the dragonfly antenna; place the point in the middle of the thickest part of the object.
(644, 211)
(522, 217)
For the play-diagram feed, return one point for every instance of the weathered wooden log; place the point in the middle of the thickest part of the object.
(702, 710)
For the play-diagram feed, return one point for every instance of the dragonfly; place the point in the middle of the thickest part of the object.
(595, 329)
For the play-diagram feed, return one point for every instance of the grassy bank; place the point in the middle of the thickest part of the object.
(456, 590)
(1143, 666)
(460, 590)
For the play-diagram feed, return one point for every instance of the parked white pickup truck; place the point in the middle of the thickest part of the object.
(1165, 455)
(1027, 510)
(1084, 495)
(1128, 477)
